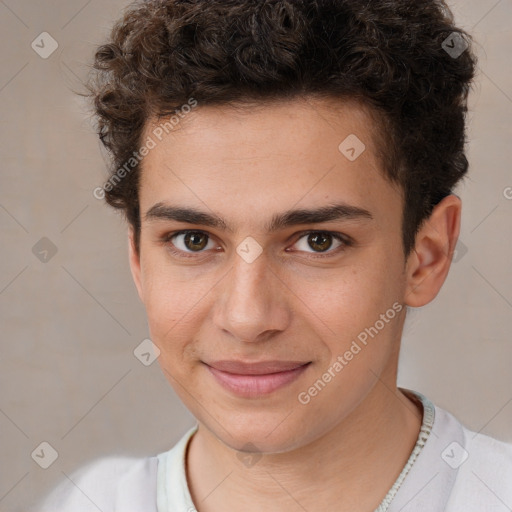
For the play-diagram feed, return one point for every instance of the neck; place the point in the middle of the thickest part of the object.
(360, 458)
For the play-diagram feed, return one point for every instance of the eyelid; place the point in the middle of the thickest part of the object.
(345, 241)
(166, 240)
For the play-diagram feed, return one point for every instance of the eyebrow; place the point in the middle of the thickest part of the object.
(329, 213)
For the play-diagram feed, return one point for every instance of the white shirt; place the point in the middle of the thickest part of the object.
(451, 469)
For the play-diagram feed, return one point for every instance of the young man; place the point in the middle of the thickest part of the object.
(286, 169)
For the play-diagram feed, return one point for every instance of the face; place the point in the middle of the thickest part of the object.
(248, 280)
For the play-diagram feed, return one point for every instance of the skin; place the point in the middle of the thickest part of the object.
(245, 166)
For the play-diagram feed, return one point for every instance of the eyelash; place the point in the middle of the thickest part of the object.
(345, 240)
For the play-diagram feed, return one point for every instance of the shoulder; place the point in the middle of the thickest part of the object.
(122, 484)
(483, 467)
(489, 463)
(108, 484)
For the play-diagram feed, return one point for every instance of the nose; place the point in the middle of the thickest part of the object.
(252, 303)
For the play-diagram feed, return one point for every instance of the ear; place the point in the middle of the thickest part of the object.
(135, 263)
(429, 262)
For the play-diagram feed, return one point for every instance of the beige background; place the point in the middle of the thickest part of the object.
(68, 375)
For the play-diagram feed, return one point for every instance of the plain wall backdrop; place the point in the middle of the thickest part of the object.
(70, 314)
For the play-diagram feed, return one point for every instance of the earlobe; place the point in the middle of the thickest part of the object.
(135, 266)
(429, 263)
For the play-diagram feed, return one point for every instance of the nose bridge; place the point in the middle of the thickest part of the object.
(248, 294)
(253, 301)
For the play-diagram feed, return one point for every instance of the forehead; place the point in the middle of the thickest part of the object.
(266, 158)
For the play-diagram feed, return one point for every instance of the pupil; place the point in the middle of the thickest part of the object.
(319, 240)
(194, 238)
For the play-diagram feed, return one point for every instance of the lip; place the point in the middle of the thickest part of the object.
(255, 367)
(255, 378)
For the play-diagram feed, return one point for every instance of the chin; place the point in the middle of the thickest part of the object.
(253, 437)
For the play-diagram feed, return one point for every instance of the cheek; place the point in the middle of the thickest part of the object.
(176, 305)
(350, 300)
(165, 301)
(163, 289)
(356, 293)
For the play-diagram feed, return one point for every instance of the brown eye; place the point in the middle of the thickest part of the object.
(320, 241)
(195, 241)
(187, 243)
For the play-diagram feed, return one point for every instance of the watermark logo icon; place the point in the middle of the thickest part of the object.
(45, 455)
(44, 45)
(44, 250)
(460, 251)
(454, 455)
(146, 352)
(249, 455)
(249, 249)
(455, 45)
(352, 147)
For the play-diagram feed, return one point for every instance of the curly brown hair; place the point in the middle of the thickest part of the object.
(393, 55)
